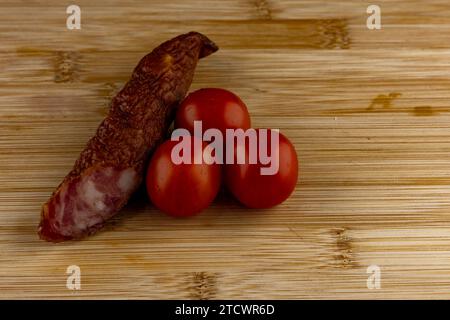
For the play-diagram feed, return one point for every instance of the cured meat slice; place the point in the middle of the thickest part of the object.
(111, 166)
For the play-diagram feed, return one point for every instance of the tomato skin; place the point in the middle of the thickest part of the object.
(264, 191)
(216, 108)
(181, 190)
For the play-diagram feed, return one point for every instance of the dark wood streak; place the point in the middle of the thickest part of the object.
(66, 66)
(263, 9)
(203, 285)
(344, 255)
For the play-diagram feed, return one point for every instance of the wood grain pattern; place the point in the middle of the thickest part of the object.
(367, 111)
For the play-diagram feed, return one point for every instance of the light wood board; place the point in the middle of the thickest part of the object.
(367, 110)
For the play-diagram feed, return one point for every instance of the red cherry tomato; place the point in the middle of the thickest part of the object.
(255, 190)
(181, 190)
(216, 108)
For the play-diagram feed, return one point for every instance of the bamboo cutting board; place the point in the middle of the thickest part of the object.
(367, 110)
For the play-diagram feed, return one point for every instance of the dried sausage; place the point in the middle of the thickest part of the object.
(111, 166)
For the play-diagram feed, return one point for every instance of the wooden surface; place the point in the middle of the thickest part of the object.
(367, 110)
